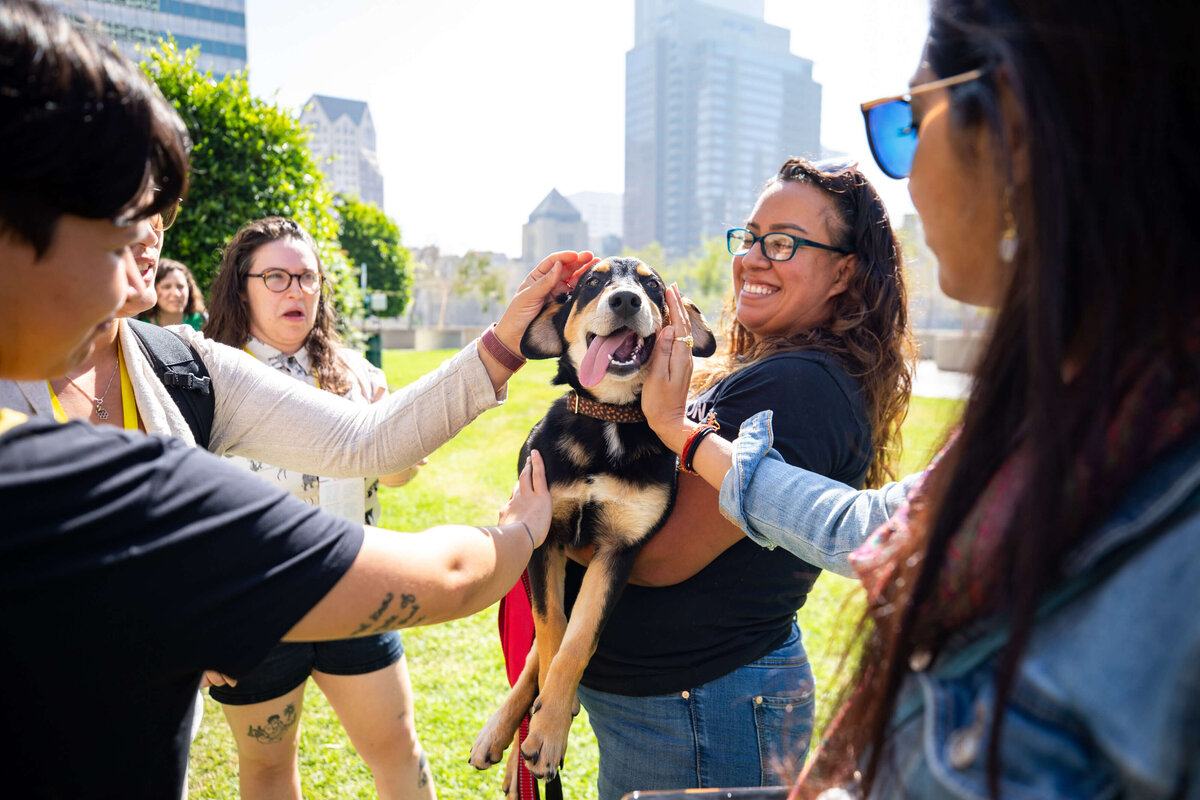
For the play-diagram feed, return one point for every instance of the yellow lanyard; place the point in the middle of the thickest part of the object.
(10, 419)
(316, 376)
(128, 404)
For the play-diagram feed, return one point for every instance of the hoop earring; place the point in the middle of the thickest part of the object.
(1009, 238)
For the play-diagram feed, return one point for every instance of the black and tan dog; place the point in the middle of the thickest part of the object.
(612, 483)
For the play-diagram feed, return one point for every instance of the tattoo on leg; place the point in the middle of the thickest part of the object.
(276, 726)
(423, 772)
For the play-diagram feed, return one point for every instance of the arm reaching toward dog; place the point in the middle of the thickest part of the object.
(665, 393)
(402, 580)
(545, 280)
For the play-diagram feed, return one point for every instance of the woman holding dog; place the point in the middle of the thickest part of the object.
(1031, 626)
(700, 677)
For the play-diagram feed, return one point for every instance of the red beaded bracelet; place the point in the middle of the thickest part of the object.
(499, 351)
(688, 454)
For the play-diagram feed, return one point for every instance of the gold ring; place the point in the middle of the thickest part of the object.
(685, 339)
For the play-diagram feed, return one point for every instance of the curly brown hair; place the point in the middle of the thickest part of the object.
(868, 333)
(229, 317)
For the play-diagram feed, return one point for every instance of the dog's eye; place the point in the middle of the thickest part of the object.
(653, 284)
(592, 281)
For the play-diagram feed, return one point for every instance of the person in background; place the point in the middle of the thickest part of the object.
(1030, 628)
(179, 300)
(270, 298)
(128, 561)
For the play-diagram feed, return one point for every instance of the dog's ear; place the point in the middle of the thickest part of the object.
(704, 343)
(542, 338)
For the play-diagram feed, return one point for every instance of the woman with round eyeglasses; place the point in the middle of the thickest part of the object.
(700, 677)
(1030, 628)
(267, 298)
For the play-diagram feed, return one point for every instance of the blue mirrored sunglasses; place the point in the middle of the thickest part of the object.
(890, 129)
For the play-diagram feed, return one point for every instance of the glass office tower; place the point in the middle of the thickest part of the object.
(714, 103)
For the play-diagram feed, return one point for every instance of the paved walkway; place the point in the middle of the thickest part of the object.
(930, 381)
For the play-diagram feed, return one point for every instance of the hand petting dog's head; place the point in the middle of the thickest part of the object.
(604, 330)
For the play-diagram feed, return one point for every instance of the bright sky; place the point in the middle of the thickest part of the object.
(481, 107)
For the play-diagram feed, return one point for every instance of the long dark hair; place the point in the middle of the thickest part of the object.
(195, 301)
(229, 318)
(868, 332)
(1104, 274)
(82, 130)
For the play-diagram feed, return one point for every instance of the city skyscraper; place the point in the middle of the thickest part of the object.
(344, 131)
(217, 26)
(555, 224)
(714, 103)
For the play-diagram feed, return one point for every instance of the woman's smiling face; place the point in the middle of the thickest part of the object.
(784, 298)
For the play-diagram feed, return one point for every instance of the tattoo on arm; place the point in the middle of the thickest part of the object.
(373, 625)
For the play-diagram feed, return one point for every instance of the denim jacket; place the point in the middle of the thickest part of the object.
(1106, 702)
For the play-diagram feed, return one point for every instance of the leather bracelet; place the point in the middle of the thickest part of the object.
(688, 454)
(499, 351)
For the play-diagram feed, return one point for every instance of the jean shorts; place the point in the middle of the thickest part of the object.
(749, 728)
(290, 663)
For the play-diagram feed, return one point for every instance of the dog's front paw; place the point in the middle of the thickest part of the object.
(492, 741)
(546, 743)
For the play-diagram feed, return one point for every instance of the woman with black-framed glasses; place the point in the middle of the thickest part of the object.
(267, 299)
(1031, 626)
(700, 677)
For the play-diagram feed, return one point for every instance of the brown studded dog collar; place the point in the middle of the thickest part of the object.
(608, 412)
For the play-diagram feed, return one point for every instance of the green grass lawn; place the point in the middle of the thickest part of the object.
(457, 668)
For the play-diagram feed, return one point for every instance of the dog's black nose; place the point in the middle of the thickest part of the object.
(625, 304)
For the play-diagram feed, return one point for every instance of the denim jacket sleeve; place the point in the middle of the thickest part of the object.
(813, 517)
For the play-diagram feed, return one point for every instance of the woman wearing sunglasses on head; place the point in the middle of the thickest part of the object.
(1031, 625)
(700, 677)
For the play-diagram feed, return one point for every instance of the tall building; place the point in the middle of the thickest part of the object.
(604, 214)
(554, 225)
(714, 103)
(343, 131)
(217, 26)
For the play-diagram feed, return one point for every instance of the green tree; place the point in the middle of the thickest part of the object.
(250, 159)
(371, 239)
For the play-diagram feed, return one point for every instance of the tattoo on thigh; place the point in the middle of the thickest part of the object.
(276, 727)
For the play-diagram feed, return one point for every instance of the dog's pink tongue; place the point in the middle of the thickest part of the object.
(595, 362)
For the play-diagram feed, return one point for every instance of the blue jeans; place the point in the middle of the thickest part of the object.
(747, 728)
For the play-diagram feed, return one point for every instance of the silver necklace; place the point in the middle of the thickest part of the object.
(101, 411)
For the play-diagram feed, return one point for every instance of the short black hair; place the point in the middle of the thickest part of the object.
(82, 130)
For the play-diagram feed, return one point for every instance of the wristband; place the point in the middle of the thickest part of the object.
(688, 454)
(499, 351)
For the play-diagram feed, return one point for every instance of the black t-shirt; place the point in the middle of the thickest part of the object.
(128, 565)
(741, 606)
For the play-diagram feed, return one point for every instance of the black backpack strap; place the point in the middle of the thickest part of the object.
(182, 372)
